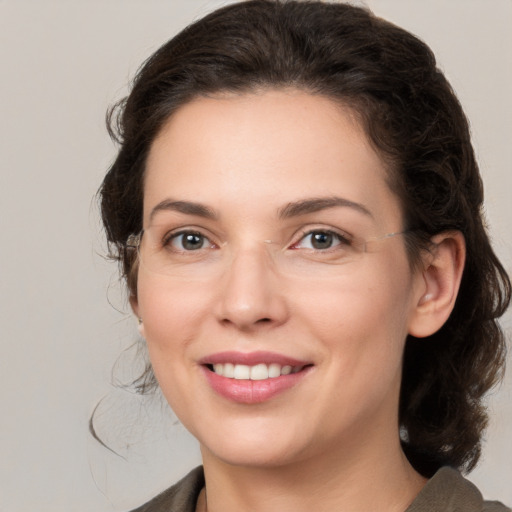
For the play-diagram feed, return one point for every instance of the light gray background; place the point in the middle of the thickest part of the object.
(63, 62)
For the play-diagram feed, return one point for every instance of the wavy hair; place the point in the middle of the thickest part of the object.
(412, 117)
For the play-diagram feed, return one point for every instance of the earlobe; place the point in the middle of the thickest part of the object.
(442, 273)
(140, 327)
(425, 298)
(135, 308)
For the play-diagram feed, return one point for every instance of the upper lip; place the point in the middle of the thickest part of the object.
(252, 358)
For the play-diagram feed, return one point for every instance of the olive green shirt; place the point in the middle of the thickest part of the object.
(446, 491)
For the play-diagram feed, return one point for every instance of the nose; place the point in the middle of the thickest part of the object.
(251, 296)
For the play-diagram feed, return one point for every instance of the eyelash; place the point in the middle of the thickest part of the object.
(170, 237)
(342, 238)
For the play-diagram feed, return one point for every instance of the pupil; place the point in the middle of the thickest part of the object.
(192, 242)
(322, 240)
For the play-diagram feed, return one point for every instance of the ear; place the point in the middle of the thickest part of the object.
(441, 275)
(134, 303)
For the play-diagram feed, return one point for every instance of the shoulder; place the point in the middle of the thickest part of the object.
(449, 491)
(446, 491)
(181, 497)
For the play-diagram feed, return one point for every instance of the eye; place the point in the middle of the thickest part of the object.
(188, 241)
(321, 239)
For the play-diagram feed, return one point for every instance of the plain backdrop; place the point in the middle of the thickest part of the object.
(63, 314)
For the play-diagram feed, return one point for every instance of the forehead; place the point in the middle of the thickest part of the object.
(261, 149)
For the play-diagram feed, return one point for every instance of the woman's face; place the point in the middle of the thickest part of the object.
(258, 199)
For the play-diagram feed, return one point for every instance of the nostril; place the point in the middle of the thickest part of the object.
(264, 320)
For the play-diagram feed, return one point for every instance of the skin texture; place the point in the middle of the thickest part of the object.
(335, 432)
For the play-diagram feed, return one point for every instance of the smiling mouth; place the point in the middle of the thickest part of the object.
(259, 371)
(255, 377)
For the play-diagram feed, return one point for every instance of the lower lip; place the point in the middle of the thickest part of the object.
(252, 391)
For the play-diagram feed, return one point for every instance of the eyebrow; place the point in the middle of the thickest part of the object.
(312, 205)
(294, 209)
(185, 207)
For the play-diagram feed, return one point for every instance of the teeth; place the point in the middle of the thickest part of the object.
(258, 372)
(229, 370)
(286, 370)
(242, 372)
(274, 370)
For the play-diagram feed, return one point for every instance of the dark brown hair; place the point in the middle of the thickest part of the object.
(415, 122)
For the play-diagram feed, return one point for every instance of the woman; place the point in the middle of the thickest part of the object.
(296, 209)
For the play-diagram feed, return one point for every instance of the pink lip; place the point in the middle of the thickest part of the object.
(252, 391)
(252, 358)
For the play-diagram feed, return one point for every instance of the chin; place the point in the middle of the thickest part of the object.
(255, 456)
(256, 445)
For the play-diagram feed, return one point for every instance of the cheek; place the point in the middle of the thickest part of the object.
(360, 317)
(171, 315)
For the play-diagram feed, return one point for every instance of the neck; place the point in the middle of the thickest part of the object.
(353, 479)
